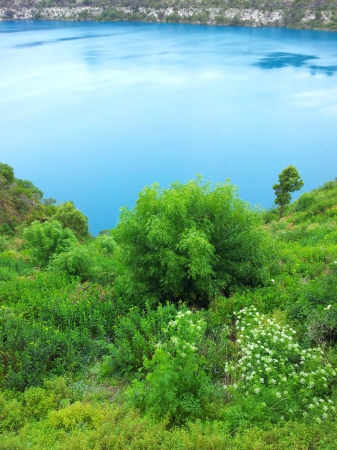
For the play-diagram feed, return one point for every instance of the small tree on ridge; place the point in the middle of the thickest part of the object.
(289, 181)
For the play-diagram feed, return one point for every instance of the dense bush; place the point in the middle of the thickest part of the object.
(192, 242)
(47, 239)
(6, 174)
(176, 385)
(77, 261)
(135, 338)
(31, 351)
(72, 218)
(273, 377)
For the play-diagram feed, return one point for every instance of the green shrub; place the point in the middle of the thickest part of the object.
(72, 218)
(46, 239)
(11, 414)
(192, 242)
(32, 351)
(76, 261)
(135, 337)
(176, 384)
(77, 415)
(3, 243)
(273, 377)
(106, 244)
(38, 402)
(6, 174)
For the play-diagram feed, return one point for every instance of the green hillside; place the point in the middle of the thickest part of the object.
(197, 323)
(295, 13)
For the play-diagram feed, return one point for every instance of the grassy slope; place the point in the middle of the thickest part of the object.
(80, 409)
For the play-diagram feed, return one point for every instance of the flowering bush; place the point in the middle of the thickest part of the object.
(273, 374)
(176, 384)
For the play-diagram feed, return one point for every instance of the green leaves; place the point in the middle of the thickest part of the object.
(72, 218)
(191, 242)
(176, 385)
(46, 239)
(6, 174)
(289, 181)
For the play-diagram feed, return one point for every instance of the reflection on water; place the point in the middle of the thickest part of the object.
(279, 60)
(53, 41)
(326, 70)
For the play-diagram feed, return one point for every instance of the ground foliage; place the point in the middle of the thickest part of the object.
(91, 360)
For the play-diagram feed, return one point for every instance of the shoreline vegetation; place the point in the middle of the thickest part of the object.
(197, 323)
(300, 14)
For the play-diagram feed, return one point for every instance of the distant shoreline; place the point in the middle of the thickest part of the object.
(249, 17)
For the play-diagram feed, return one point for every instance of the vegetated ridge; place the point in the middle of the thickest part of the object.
(312, 14)
(197, 323)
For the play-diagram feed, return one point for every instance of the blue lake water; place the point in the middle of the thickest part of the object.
(93, 112)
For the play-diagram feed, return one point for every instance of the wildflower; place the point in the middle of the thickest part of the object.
(278, 395)
(318, 419)
(311, 406)
(261, 380)
(256, 390)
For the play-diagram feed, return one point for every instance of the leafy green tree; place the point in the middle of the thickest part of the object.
(73, 218)
(47, 239)
(190, 242)
(26, 184)
(6, 173)
(49, 201)
(289, 181)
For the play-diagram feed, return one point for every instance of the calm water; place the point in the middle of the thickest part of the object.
(94, 112)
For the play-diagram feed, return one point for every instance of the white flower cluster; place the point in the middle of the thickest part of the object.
(271, 365)
(184, 331)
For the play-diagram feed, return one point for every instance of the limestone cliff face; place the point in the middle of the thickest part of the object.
(292, 13)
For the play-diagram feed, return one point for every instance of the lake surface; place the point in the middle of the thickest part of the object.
(93, 112)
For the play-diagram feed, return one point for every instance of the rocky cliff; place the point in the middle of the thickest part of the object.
(321, 14)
